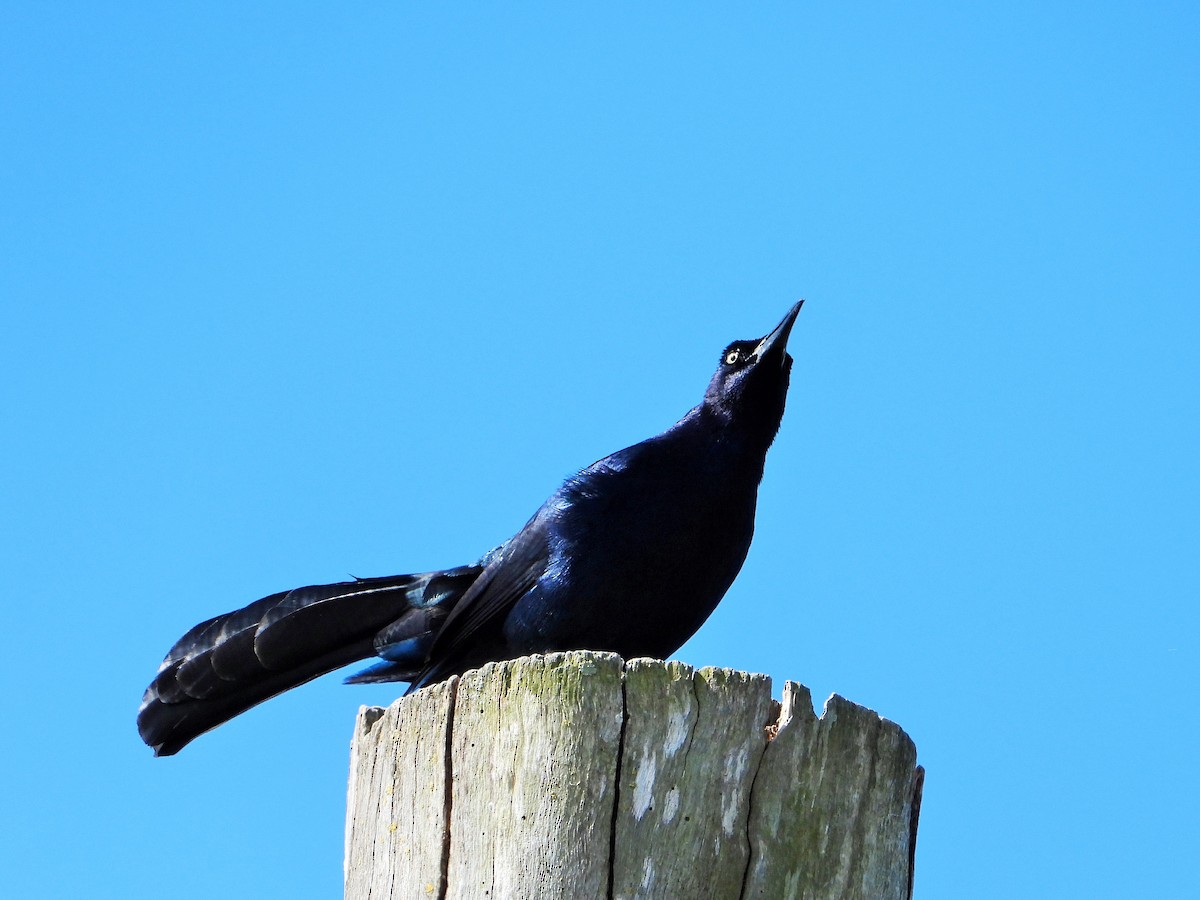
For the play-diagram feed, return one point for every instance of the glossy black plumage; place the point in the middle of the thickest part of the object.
(630, 555)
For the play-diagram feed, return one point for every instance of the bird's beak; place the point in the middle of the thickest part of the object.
(778, 337)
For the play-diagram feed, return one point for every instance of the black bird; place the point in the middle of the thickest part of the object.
(631, 555)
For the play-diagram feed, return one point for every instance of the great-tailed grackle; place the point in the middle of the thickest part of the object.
(631, 555)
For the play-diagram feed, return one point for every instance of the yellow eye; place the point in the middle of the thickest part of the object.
(731, 357)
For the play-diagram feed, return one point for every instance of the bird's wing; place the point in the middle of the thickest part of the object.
(502, 583)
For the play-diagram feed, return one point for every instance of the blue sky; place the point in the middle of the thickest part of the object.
(294, 291)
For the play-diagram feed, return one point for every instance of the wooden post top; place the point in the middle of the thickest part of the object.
(581, 775)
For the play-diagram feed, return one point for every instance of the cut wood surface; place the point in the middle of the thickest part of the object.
(579, 775)
(397, 819)
(534, 764)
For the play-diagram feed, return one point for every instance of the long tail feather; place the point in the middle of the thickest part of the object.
(229, 663)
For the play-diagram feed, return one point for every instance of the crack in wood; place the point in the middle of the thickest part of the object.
(616, 805)
(771, 730)
(448, 798)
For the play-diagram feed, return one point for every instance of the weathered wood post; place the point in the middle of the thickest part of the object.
(579, 775)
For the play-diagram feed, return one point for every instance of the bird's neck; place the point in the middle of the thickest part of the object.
(731, 444)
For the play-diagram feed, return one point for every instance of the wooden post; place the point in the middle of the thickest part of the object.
(579, 775)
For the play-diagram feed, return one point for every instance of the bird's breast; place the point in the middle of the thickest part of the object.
(636, 564)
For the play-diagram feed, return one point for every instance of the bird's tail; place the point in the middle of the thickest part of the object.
(226, 665)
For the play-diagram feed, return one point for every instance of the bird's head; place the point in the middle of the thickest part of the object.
(749, 388)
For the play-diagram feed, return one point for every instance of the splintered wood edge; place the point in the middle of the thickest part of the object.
(855, 832)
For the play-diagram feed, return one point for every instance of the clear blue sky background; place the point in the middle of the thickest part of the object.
(292, 291)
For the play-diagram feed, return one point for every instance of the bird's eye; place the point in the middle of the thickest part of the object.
(731, 357)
